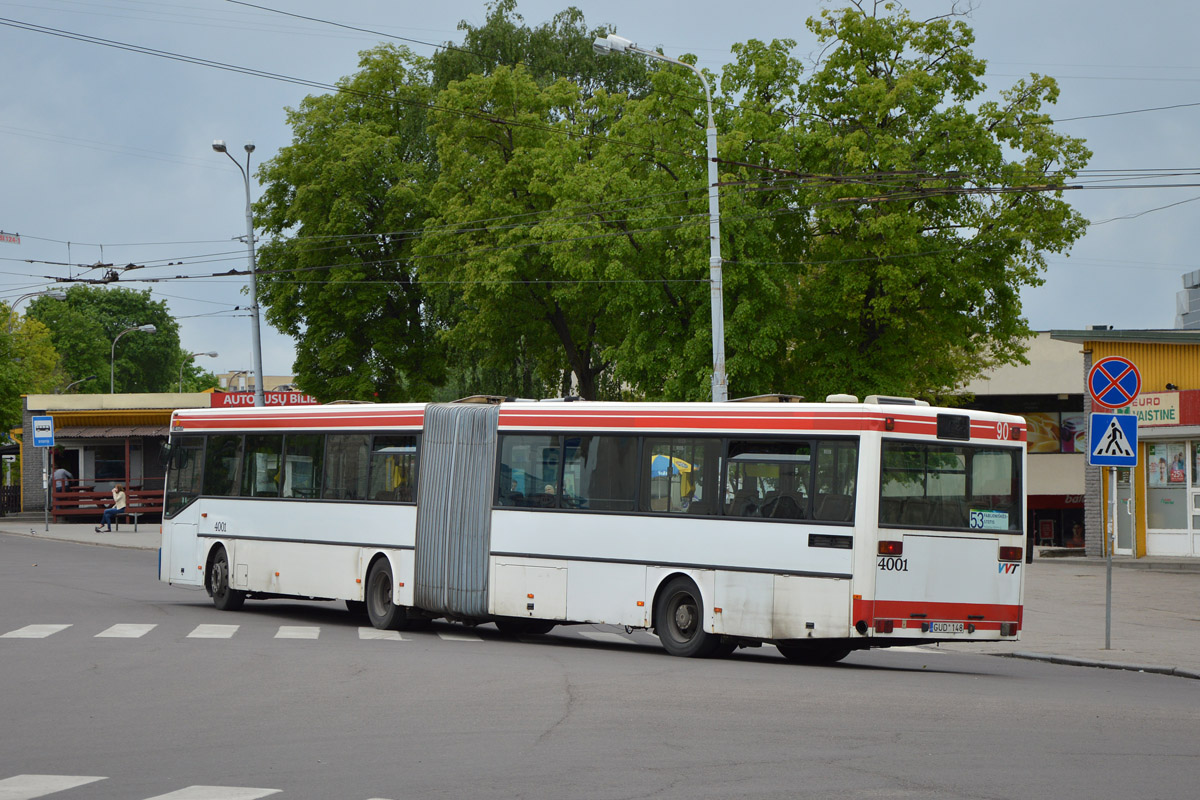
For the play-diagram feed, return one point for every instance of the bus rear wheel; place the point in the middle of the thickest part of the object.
(224, 596)
(679, 621)
(813, 654)
(381, 610)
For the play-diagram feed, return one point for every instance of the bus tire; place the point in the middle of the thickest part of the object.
(519, 626)
(679, 621)
(225, 597)
(381, 610)
(813, 654)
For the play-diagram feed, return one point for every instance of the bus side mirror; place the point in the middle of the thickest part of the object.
(164, 455)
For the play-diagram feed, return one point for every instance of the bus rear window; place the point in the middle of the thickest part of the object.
(956, 487)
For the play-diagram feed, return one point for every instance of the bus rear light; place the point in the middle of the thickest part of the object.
(891, 548)
(884, 625)
(1011, 553)
(1008, 629)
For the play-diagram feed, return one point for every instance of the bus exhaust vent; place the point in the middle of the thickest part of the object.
(887, 400)
(770, 398)
(840, 398)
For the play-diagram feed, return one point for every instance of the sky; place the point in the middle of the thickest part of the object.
(108, 159)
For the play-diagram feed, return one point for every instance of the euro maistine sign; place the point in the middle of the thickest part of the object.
(246, 399)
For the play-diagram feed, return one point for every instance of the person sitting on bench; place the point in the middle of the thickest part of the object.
(113, 511)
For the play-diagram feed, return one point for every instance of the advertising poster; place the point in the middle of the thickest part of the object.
(1044, 434)
(1165, 466)
(1073, 432)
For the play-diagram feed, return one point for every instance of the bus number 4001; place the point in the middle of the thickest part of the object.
(893, 564)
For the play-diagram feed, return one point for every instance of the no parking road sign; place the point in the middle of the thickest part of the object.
(1114, 382)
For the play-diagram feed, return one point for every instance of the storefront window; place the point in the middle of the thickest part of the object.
(1166, 484)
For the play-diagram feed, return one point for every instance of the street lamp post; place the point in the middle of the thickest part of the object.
(720, 388)
(112, 363)
(53, 294)
(189, 358)
(73, 384)
(256, 343)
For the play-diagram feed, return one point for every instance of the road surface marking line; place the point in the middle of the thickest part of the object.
(27, 787)
(603, 636)
(455, 636)
(298, 632)
(126, 630)
(216, 793)
(33, 632)
(213, 632)
(372, 633)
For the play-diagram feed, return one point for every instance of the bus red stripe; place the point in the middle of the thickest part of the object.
(993, 614)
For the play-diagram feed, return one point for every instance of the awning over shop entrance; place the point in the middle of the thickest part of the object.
(109, 432)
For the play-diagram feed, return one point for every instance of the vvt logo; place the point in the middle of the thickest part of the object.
(1007, 569)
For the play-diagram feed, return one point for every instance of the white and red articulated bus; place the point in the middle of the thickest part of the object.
(820, 528)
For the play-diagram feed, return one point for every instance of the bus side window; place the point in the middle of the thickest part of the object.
(681, 475)
(262, 471)
(531, 464)
(346, 459)
(222, 464)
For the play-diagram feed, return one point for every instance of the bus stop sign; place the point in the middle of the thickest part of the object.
(1114, 382)
(43, 431)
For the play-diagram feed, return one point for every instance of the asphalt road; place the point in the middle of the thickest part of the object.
(586, 712)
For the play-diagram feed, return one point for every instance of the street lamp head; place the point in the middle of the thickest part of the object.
(249, 147)
(219, 145)
(147, 329)
(212, 354)
(611, 44)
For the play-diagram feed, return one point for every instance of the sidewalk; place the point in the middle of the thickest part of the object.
(1155, 604)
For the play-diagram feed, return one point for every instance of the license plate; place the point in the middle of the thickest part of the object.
(946, 627)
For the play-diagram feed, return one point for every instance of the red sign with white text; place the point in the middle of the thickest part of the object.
(246, 399)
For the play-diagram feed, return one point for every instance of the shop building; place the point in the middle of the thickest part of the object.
(1158, 501)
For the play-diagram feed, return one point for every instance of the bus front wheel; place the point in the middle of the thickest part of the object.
(382, 611)
(679, 621)
(224, 596)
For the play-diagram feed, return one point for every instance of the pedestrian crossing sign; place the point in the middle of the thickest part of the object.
(1112, 440)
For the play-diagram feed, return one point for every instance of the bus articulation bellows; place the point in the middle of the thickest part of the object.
(821, 528)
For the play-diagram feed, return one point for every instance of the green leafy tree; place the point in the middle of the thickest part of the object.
(84, 326)
(29, 364)
(343, 203)
(929, 216)
(515, 214)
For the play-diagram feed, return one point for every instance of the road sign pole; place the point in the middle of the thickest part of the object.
(1112, 541)
(46, 483)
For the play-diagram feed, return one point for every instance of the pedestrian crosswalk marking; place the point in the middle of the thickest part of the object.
(372, 633)
(457, 636)
(298, 632)
(27, 787)
(125, 631)
(216, 793)
(33, 632)
(213, 632)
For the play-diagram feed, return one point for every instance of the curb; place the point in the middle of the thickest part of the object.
(1096, 664)
(89, 542)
